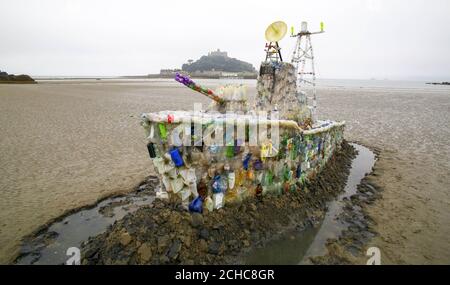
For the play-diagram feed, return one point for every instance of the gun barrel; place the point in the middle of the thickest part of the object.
(186, 81)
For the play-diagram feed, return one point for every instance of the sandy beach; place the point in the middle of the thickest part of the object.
(410, 127)
(65, 144)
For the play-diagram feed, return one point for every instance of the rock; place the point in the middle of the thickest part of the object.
(165, 213)
(214, 247)
(164, 259)
(218, 226)
(174, 219)
(163, 242)
(90, 252)
(186, 240)
(204, 234)
(203, 245)
(174, 249)
(197, 220)
(232, 243)
(118, 261)
(125, 238)
(189, 262)
(145, 252)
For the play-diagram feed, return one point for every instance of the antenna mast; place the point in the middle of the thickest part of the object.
(303, 60)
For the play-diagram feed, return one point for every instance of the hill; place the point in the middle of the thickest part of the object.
(11, 78)
(218, 61)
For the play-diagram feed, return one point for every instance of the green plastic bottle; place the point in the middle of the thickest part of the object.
(229, 151)
(162, 131)
(268, 178)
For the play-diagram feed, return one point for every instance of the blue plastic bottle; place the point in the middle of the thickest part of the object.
(196, 205)
(246, 161)
(176, 157)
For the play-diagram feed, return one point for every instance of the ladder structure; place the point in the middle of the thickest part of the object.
(273, 52)
(303, 60)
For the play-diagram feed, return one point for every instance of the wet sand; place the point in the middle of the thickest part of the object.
(66, 144)
(411, 128)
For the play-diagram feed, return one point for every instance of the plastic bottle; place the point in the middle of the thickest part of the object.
(298, 171)
(176, 157)
(229, 151)
(219, 184)
(170, 118)
(176, 185)
(250, 175)
(151, 150)
(268, 178)
(162, 131)
(196, 205)
(246, 160)
(151, 133)
(240, 177)
(209, 204)
(202, 189)
(258, 164)
(260, 176)
(231, 196)
(185, 193)
(218, 200)
(259, 190)
(193, 189)
(242, 193)
(286, 173)
(213, 153)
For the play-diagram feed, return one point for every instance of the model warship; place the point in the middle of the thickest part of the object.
(240, 148)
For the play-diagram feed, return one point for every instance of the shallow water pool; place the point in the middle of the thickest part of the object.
(297, 247)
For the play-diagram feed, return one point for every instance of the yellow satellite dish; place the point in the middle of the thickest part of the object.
(276, 31)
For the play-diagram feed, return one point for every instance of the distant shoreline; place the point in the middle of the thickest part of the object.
(162, 76)
(159, 76)
(439, 83)
(18, 82)
(150, 76)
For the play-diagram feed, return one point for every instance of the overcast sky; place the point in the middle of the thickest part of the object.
(395, 39)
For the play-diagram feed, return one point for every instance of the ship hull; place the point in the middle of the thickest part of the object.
(202, 174)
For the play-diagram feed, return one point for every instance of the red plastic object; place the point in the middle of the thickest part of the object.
(170, 118)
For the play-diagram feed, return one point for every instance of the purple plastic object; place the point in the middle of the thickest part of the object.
(183, 79)
(258, 165)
